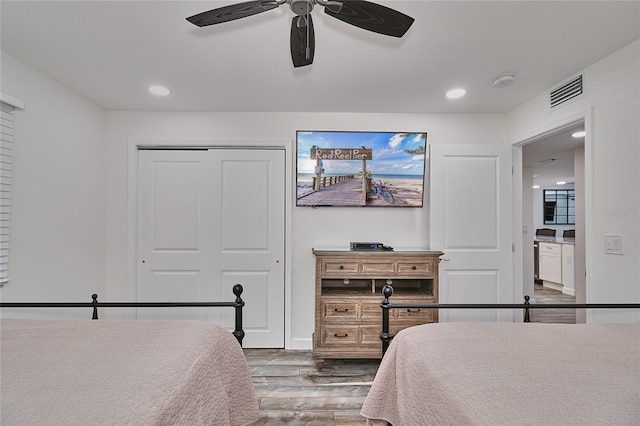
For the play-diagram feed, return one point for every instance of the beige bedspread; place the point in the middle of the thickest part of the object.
(123, 373)
(509, 374)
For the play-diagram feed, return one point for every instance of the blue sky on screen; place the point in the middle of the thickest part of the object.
(389, 155)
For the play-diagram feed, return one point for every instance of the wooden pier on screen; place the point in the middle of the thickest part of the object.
(347, 193)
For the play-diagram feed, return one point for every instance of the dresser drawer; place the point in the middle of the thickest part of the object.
(339, 335)
(337, 267)
(340, 310)
(415, 268)
(371, 311)
(419, 315)
(370, 335)
(378, 268)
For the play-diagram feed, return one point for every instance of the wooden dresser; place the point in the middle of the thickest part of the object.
(349, 286)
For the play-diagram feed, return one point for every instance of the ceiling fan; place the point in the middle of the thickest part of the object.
(360, 13)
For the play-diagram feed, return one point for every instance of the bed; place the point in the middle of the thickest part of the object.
(508, 374)
(122, 372)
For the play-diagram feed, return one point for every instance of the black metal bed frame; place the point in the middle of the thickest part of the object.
(387, 291)
(238, 304)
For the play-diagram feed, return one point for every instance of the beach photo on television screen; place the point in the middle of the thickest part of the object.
(360, 168)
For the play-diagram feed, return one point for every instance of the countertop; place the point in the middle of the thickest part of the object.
(555, 240)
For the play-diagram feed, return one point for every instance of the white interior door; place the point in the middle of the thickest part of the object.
(208, 219)
(247, 228)
(470, 221)
(172, 233)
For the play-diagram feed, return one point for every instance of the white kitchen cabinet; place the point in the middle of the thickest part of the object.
(556, 266)
(550, 263)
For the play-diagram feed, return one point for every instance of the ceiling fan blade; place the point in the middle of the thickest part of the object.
(372, 17)
(303, 42)
(231, 12)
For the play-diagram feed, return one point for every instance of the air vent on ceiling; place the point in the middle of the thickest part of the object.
(566, 91)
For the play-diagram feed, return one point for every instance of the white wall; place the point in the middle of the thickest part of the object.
(58, 221)
(69, 226)
(70, 205)
(612, 159)
(397, 227)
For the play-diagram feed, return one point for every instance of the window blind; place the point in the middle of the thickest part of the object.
(8, 105)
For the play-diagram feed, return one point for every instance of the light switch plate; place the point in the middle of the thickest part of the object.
(613, 244)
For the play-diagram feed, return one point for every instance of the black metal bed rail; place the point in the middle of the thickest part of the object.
(387, 291)
(238, 304)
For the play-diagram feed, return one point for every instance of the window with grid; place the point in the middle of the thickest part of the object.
(559, 207)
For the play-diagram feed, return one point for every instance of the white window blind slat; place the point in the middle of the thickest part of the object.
(7, 106)
(6, 143)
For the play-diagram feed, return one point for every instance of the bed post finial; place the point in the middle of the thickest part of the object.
(387, 291)
(385, 336)
(94, 302)
(239, 303)
(526, 309)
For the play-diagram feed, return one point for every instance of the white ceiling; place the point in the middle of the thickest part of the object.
(111, 51)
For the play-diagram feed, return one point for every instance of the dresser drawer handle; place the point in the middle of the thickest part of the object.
(413, 310)
(341, 266)
(340, 335)
(414, 267)
(341, 310)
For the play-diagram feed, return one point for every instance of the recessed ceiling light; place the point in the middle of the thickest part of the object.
(561, 183)
(579, 134)
(456, 93)
(536, 186)
(159, 90)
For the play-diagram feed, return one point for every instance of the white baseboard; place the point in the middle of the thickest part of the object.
(302, 344)
(552, 285)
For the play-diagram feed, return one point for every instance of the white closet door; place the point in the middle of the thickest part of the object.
(208, 219)
(247, 208)
(172, 233)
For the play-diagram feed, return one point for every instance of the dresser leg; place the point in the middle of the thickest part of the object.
(319, 364)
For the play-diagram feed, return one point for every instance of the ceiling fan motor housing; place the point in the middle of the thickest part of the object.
(301, 7)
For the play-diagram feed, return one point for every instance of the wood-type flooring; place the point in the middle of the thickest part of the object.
(544, 295)
(292, 392)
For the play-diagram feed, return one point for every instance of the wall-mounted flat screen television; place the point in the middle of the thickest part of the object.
(360, 168)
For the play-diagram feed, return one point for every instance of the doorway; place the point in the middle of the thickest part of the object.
(554, 163)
